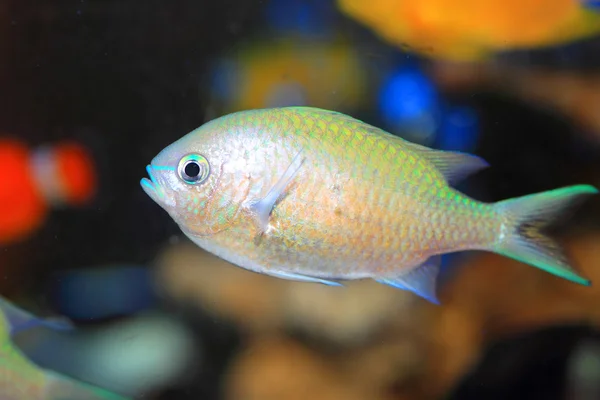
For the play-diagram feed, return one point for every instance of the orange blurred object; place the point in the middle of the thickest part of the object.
(33, 181)
(466, 30)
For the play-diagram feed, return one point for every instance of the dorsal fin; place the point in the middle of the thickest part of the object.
(454, 165)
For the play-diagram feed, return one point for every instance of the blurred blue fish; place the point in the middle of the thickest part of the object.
(21, 379)
(104, 292)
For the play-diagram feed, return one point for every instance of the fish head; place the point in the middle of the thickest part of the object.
(176, 176)
(194, 181)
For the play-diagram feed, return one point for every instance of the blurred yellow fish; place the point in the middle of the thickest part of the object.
(464, 30)
(21, 379)
(317, 196)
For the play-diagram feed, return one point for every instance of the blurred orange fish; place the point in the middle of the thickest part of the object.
(34, 181)
(467, 30)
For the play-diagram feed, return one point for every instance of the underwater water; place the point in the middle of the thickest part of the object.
(91, 91)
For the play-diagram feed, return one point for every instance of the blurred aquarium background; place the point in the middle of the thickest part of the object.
(91, 90)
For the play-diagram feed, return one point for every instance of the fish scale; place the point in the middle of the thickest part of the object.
(315, 195)
(371, 218)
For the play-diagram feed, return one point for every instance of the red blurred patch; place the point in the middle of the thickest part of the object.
(22, 207)
(76, 171)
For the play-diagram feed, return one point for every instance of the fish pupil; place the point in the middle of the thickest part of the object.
(192, 169)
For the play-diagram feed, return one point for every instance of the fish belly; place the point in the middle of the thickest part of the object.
(329, 238)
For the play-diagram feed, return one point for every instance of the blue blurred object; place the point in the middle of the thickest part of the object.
(225, 78)
(308, 17)
(593, 4)
(458, 130)
(411, 106)
(409, 102)
(104, 292)
(406, 95)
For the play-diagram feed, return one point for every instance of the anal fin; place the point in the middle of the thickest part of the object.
(421, 280)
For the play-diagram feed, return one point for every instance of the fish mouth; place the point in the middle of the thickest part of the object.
(152, 187)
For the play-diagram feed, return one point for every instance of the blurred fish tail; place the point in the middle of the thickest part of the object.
(521, 237)
(60, 387)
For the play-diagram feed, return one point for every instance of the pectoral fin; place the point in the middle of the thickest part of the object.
(421, 281)
(262, 208)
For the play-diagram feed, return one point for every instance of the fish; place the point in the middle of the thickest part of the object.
(21, 379)
(475, 30)
(35, 180)
(314, 195)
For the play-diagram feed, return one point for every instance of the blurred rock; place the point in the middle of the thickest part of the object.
(277, 368)
(453, 344)
(492, 297)
(527, 365)
(349, 315)
(583, 376)
(191, 275)
(395, 360)
(345, 316)
(378, 340)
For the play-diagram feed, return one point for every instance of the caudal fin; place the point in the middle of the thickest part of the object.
(526, 216)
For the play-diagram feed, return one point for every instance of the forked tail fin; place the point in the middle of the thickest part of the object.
(525, 217)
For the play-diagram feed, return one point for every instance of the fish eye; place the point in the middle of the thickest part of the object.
(193, 169)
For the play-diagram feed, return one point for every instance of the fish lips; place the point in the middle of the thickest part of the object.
(154, 188)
